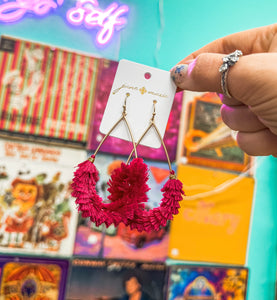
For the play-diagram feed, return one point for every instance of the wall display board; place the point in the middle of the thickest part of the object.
(32, 278)
(206, 282)
(45, 92)
(38, 214)
(204, 139)
(115, 280)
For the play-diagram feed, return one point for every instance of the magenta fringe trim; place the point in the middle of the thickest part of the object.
(126, 202)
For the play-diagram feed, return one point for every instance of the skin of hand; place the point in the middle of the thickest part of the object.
(252, 82)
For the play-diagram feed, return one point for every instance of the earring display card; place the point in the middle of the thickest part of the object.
(204, 139)
(214, 218)
(116, 280)
(122, 242)
(144, 84)
(32, 278)
(121, 147)
(46, 92)
(38, 214)
(206, 282)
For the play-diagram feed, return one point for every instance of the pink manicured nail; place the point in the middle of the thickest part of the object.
(178, 73)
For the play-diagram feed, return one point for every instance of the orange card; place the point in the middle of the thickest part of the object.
(204, 139)
(214, 218)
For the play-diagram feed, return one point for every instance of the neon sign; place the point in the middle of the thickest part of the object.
(90, 15)
(14, 11)
(86, 13)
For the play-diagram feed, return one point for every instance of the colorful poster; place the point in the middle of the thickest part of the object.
(31, 278)
(122, 242)
(37, 213)
(204, 139)
(206, 282)
(120, 147)
(45, 91)
(213, 223)
(116, 280)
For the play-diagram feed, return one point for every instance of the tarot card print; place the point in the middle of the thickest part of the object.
(205, 282)
(120, 147)
(28, 278)
(204, 138)
(38, 214)
(46, 91)
(115, 280)
(122, 242)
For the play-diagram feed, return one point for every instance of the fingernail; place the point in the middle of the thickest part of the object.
(178, 73)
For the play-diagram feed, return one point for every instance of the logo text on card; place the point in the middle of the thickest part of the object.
(142, 90)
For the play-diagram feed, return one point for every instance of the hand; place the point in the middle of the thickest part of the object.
(252, 82)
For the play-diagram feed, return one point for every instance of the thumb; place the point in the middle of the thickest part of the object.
(201, 74)
(250, 80)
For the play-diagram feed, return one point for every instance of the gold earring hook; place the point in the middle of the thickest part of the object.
(152, 124)
(124, 105)
(123, 118)
(154, 110)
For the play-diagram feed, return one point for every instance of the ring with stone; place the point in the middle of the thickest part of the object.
(228, 61)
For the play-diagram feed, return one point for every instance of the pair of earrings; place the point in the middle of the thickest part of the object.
(127, 187)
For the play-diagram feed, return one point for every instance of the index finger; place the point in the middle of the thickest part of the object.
(257, 40)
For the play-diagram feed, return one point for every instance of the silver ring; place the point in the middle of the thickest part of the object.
(228, 61)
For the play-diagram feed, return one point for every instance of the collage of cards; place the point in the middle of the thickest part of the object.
(121, 179)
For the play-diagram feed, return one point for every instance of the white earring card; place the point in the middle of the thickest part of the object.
(144, 85)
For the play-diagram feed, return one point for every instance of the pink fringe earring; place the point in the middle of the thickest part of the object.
(172, 194)
(128, 189)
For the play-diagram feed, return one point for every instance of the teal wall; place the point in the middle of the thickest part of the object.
(188, 25)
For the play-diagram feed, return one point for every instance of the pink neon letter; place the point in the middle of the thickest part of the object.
(107, 31)
(13, 11)
(75, 16)
(91, 15)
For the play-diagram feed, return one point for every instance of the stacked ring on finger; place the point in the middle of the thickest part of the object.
(228, 61)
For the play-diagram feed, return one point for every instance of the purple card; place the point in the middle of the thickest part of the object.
(33, 278)
(116, 280)
(207, 282)
(117, 146)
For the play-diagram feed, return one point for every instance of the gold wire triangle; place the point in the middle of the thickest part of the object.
(152, 124)
(124, 119)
